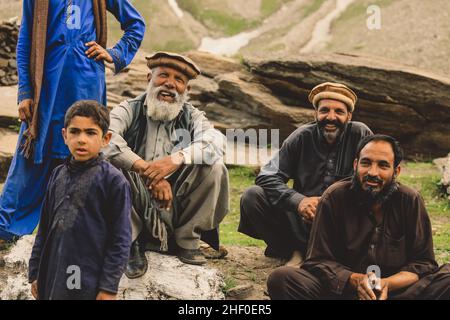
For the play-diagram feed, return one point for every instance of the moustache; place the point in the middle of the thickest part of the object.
(372, 179)
(326, 122)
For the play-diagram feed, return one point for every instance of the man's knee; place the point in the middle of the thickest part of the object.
(277, 283)
(289, 283)
(250, 198)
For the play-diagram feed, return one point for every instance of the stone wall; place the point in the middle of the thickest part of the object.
(9, 32)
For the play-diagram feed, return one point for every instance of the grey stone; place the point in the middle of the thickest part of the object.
(167, 278)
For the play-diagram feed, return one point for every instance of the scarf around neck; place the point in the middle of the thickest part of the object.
(37, 58)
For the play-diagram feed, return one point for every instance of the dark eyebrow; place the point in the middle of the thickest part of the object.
(384, 163)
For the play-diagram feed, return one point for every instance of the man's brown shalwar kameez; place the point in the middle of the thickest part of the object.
(346, 239)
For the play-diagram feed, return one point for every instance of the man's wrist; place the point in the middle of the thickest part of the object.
(138, 165)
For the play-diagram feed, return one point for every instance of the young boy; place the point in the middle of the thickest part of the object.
(84, 236)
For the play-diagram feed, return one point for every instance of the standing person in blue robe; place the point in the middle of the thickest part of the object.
(84, 236)
(60, 57)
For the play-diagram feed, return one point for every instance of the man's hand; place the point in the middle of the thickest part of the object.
(162, 191)
(307, 208)
(26, 110)
(98, 52)
(360, 283)
(103, 295)
(34, 289)
(157, 170)
(384, 295)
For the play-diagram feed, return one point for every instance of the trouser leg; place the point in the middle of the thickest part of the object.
(282, 231)
(201, 202)
(288, 283)
(439, 288)
(22, 196)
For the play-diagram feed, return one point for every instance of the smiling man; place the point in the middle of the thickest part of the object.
(315, 156)
(173, 157)
(365, 223)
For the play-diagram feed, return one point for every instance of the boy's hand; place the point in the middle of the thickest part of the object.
(98, 52)
(103, 295)
(34, 289)
(26, 110)
(162, 191)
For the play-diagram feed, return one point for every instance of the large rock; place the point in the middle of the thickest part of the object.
(410, 104)
(405, 102)
(9, 32)
(167, 278)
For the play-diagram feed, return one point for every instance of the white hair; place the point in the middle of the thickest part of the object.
(162, 110)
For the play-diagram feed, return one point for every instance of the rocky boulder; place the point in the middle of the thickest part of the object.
(405, 102)
(408, 103)
(9, 33)
(167, 278)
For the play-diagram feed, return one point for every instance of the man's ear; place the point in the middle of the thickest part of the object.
(107, 138)
(64, 134)
(355, 165)
(350, 116)
(149, 76)
(397, 171)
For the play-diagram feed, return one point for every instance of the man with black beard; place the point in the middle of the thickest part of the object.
(366, 224)
(315, 156)
(173, 159)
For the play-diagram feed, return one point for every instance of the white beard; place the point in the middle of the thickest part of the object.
(162, 110)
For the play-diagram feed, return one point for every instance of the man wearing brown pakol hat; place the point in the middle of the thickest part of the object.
(315, 156)
(173, 158)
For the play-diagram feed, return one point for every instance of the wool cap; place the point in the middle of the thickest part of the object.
(333, 91)
(176, 61)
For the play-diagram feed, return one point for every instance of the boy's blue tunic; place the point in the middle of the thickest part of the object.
(69, 76)
(85, 224)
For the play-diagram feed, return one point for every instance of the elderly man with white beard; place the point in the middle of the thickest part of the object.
(173, 159)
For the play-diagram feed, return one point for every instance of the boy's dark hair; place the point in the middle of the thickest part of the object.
(398, 152)
(90, 109)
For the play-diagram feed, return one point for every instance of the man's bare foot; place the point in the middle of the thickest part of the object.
(296, 260)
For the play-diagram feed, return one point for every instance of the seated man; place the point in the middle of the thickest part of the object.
(173, 158)
(368, 223)
(314, 156)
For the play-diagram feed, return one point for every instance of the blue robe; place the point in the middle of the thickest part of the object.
(69, 76)
(85, 231)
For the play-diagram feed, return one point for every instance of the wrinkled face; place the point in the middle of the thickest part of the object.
(84, 138)
(332, 116)
(375, 167)
(166, 93)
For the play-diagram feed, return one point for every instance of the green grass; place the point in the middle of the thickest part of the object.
(269, 7)
(422, 176)
(240, 179)
(312, 7)
(359, 9)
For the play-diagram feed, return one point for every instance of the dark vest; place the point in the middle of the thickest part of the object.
(137, 131)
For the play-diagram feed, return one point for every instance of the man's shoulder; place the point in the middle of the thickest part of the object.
(304, 130)
(359, 128)
(339, 189)
(407, 192)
